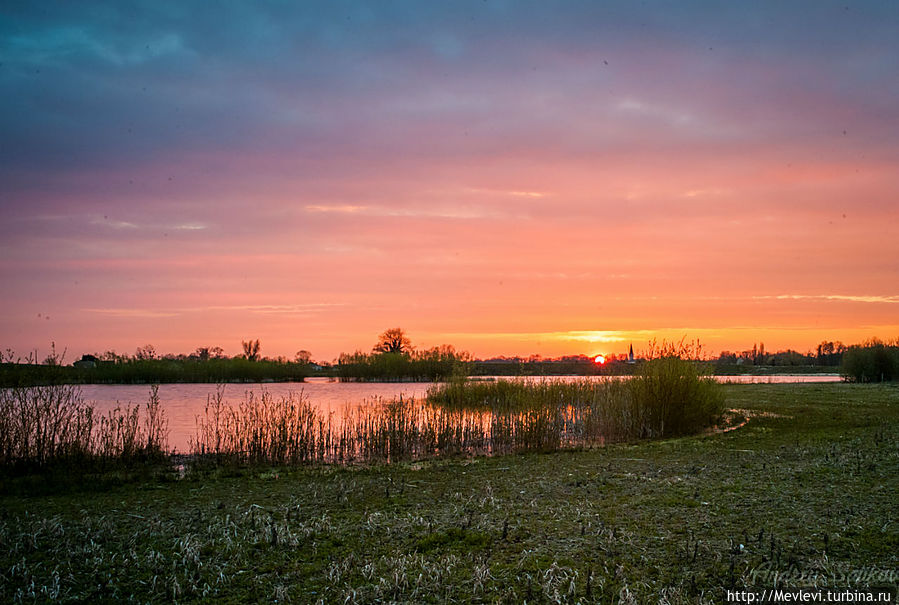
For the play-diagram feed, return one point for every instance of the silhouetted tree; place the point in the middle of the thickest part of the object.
(145, 353)
(830, 353)
(303, 356)
(113, 357)
(393, 340)
(251, 349)
(726, 357)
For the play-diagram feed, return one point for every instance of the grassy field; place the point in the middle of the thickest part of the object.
(806, 489)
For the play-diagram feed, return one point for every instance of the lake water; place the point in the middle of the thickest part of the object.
(184, 402)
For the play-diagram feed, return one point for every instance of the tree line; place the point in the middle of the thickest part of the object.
(827, 354)
(394, 357)
(146, 366)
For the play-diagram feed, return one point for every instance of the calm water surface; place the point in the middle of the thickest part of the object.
(184, 402)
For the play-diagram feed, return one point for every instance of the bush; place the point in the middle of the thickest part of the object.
(673, 397)
(874, 361)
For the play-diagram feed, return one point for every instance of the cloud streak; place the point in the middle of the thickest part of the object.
(834, 297)
(303, 309)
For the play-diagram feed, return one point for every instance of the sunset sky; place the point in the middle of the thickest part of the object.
(508, 177)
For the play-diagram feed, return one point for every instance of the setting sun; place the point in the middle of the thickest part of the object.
(599, 359)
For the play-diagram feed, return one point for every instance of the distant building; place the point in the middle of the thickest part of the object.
(87, 361)
(500, 360)
(630, 355)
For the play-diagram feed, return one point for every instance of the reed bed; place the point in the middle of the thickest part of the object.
(48, 425)
(460, 418)
(668, 396)
(287, 430)
(155, 371)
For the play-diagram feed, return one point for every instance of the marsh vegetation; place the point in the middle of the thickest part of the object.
(668, 397)
(53, 426)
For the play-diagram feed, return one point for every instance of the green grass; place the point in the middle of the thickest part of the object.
(807, 486)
